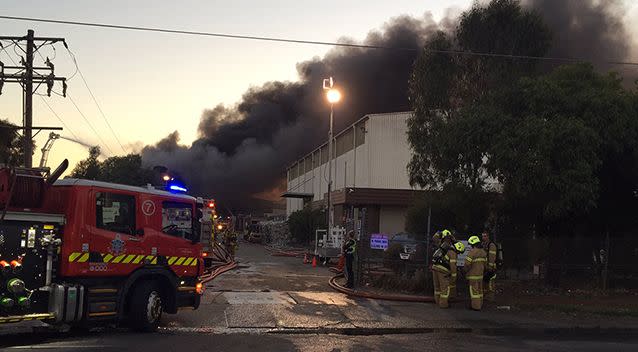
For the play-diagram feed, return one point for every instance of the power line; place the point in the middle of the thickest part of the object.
(40, 95)
(58, 117)
(77, 67)
(313, 42)
(88, 123)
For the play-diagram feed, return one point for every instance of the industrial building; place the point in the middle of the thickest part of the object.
(370, 177)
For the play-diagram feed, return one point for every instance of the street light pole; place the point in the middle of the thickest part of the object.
(330, 154)
(333, 97)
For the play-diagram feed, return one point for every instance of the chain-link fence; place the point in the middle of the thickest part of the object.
(393, 262)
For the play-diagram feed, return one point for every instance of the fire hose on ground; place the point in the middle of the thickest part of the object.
(288, 252)
(218, 270)
(401, 298)
(222, 262)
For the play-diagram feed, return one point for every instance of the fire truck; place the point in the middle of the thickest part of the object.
(82, 252)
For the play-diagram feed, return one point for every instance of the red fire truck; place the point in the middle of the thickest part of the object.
(82, 252)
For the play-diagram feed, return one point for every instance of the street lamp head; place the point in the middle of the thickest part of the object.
(166, 178)
(333, 96)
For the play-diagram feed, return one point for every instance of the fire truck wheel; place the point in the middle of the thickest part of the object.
(146, 307)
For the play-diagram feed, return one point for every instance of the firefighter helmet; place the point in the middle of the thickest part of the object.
(446, 233)
(474, 240)
(460, 247)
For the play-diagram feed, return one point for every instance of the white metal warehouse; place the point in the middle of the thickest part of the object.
(369, 175)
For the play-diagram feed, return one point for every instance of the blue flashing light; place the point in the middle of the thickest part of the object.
(177, 188)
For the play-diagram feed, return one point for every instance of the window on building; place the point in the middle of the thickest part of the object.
(177, 219)
(115, 212)
(345, 142)
(360, 131)
(324, 154)
(308, 164)
(295, 171)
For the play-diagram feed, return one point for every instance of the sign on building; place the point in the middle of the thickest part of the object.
(379, 241)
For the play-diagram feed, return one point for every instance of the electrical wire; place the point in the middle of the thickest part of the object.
(4, 48)
(41, 97)
(58, 117)
(89, 123)
(311, 42)
(78, 70)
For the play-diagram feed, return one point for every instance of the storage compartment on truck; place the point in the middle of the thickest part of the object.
(25, 247)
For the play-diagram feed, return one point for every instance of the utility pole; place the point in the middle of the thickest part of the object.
(28, 102)
(26, 75)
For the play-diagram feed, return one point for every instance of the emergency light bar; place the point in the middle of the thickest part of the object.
(177, 188)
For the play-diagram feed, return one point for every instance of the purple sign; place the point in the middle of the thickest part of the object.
(379, 241)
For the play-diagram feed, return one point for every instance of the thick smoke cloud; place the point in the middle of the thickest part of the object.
(590, 29)
(243, 150)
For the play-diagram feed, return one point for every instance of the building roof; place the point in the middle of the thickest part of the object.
(115, 186)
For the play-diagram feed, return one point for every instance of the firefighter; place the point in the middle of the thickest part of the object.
(490, 273)
(438, 237)
(436, 240)
(475, 263)
(460, 249)
(444, 268)
(230, 242)
(349, 248)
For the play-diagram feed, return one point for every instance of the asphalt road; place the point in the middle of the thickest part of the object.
(278, 304)
(125, 341)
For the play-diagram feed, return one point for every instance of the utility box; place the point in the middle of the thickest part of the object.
(329, 245)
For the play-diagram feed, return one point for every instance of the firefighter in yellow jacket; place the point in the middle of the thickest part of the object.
(475, 263)
(444, 269)
(490, 273)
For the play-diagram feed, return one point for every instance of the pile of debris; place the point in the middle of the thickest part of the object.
(275, 233)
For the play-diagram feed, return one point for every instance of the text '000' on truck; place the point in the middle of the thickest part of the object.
(81, 252)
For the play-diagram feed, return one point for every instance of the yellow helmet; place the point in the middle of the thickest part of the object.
(446, 233)
(474, 240)
(460, 247)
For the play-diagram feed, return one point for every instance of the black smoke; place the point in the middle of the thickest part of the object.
(243, 150)
(589, 29)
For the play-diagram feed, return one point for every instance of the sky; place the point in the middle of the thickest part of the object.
(151, 84)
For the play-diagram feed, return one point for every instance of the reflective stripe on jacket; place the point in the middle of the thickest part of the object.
(475, 264)
(350, 247)
(491, 256)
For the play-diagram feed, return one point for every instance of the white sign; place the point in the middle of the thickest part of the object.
(379, 241)
(460, 259)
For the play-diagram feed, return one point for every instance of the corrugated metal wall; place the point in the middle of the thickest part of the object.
(389, 151)
(380, 162)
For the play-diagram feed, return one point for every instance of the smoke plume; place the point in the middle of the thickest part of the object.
(243, 150)
(589, 29)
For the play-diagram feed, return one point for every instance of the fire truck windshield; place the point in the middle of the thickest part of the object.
(177, 219)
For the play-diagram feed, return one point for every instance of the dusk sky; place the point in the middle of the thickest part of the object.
(150, 84)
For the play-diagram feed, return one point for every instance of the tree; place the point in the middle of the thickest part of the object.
(454, 209)
(11, 148)
(303, 224)
(567, 145)
(88, 168)
(126, 170)
(444, 89)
